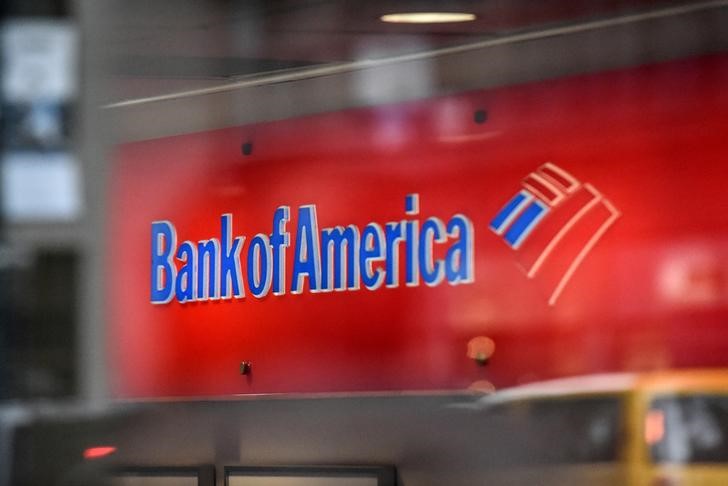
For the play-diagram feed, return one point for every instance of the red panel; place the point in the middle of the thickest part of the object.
(545, 236)
(542, 188)
(574, 246)
(557, 177)
(652, 291)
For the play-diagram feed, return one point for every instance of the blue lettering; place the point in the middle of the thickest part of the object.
(259, 266)
(306, 261)
(332, 242)
(459, 264)
(433, 272)
(230, 259)
(184, 288)
(164, 240)
(211, 269)
(372, 239)
(279, 240)
(393, 235)
(412, 204)
(412, 271)
(208, 252)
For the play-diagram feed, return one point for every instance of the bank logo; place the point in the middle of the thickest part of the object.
(552, 223)
(332, 259)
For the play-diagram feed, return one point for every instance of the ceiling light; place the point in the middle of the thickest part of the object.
(427, 17)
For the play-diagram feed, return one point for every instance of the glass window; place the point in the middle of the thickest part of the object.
(559, 431)
(688, 428)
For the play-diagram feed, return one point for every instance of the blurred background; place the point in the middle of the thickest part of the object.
(114, 114)
(41, 201)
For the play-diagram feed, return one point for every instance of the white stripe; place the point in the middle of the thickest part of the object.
(531, 225)
(514, 212)
(565, 229)
(330, 69)
(584, 252)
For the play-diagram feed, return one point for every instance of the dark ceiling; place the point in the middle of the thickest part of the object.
(164, 46)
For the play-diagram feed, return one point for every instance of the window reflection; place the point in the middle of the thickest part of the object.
(559, 431)
(696, 428)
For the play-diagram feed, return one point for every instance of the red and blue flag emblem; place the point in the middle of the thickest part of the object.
(552, 223)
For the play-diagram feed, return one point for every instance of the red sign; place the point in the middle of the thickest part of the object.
(563, 227)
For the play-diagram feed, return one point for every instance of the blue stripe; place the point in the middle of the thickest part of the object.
(523, 225)
(502, 216)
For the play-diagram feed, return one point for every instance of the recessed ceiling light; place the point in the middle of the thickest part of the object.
(427, 17)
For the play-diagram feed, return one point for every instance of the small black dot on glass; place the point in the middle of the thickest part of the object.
(245, 368)
(247, 148)
(480, 116)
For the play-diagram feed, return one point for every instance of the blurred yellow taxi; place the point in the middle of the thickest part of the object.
(649, 429)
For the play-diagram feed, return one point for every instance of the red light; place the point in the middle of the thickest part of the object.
(98, 452)
(654, 426)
